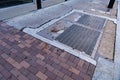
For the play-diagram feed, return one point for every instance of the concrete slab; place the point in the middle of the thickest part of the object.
(37, 18)
(104, 70)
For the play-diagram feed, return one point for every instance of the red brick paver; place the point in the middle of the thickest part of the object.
(23, 57)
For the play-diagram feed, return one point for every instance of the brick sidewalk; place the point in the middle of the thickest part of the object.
(23, 57)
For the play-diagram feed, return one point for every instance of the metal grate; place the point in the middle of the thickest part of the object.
(92, 21)
(79, 38)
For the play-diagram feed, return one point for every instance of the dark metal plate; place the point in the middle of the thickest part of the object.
(79, 38)
(92, 21)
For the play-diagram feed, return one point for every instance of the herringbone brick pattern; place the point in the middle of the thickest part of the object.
(23, 57)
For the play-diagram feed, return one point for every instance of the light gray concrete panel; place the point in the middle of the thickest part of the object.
(37, 18)
(10, 12)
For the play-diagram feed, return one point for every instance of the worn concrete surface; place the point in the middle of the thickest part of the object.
(106, 48)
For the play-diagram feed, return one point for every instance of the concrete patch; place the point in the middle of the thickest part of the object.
(106, 48)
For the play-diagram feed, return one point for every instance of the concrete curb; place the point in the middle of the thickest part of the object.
(117, 47)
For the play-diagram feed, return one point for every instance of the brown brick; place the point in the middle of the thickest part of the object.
(17, 65)
(47, 51)
(22, 77)
(49, 67)
(24, 71)
(76, 77)
(40, 56)
(6, 73)
(8, 66)
(72, 69)
(58, 78)
(18, 59)
(54, 55)
(41, 62)
(81, 62)
(12, 78)
(58, 73)
(27, 45)
(13, 50)
(41, 76)
(56, 66)
(71, 63)
(42, 45)
(67, 78)
(50, 75)
(41, 68)
(17, 36)
(76, 60)
(3, 44)
(21, 45)
(25, 64)
(71, 58)
(55, 50)
(1, 68)
(10, 60)
(32, 77)
(56, 60)
(64, 65)
(15, 72)
(62, 59)
(26, 53)
(5, 56)
(63, 54)
(91, 70)
(85, 76)
(66, 72)
(85, 67)
(33, 70)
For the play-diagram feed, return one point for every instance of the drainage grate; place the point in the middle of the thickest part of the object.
(92, 21)
(79, 38)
